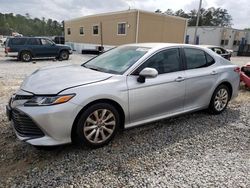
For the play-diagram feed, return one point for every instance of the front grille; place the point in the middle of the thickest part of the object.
(24, 125)
(23, 97)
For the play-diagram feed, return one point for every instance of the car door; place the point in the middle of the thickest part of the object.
(49, 49)
(201, 74)
(159, 96)
(34, 45)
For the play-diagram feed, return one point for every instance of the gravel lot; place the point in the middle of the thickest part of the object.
(194, 150)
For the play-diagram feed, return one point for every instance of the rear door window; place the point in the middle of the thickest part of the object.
(18, 41)
(195, 58)
(34, 41)
(210, 60)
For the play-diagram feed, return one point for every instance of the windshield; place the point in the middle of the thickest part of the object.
(117, 60)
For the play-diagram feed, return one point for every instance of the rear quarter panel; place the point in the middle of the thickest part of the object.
(226, 73)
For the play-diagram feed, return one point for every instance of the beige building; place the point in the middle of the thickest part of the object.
(116, 28)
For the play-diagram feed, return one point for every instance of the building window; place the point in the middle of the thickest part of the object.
(235, 42)
(121, 29)
(81, 31)
(95, 30)
(222, 42)
(68, 31)
(226, 42)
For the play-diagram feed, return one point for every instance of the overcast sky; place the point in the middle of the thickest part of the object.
(67, 9)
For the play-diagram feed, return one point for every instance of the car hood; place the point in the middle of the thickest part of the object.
(52, 80)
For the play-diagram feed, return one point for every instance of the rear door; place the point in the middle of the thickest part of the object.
(35, 46)
(200, 78)
(158, 96)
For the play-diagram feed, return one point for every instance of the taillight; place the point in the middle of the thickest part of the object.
(7, 49)
(237, 69)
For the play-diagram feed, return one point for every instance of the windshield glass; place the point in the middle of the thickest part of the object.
(117, 60)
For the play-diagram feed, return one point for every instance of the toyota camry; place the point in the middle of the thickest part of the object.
(127, 86)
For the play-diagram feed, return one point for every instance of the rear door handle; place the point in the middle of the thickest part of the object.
(179, 79)
(213, 73)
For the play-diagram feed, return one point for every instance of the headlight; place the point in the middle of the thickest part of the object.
(48, 100)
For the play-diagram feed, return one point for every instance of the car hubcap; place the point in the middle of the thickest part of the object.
(221, 99)
(99, 126)
(26, 57)
(64, 55)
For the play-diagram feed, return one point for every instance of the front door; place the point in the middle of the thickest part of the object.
(49, 49)
(159, 96)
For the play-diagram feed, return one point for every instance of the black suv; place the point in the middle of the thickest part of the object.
(26, 48)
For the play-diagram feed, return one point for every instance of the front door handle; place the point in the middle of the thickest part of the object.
(213, 73)
(179, 79)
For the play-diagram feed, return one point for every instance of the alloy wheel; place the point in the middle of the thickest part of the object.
(99, 126)
(221, 99)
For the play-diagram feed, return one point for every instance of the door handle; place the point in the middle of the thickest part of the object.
(179, 79)
(213, 73)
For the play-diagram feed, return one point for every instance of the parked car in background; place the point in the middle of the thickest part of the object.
(3, 41)
(127, 86)
(219, 50)
(58, 39)
(26, 48)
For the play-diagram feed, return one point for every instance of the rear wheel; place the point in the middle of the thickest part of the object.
(26, 56)
(98, 125)
(64, 55)
(220, 99)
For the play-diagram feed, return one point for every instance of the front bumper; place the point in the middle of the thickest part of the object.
(54, 122)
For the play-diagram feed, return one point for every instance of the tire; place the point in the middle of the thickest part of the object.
(97, 125)
(220, 99)
(64, 55)
(26, 56)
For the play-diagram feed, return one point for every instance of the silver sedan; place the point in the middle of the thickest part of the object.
(122, 88)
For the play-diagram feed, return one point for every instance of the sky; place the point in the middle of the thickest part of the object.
(67, 9)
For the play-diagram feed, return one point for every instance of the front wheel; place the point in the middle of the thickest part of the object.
(64, 55)
(220, 99)
(98, 125)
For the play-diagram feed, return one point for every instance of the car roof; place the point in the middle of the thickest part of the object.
(210, 46)
(164, 45)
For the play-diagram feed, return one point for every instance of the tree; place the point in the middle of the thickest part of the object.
(169, 12)
(27, 26)
(209, 17)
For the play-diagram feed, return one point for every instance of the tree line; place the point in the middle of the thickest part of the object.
(209, 17)
(28, 26)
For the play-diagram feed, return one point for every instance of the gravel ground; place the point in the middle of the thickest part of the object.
(194, 150)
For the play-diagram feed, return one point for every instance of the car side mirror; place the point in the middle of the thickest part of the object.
(147, 73)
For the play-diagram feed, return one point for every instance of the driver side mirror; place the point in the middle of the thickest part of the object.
(147, 73)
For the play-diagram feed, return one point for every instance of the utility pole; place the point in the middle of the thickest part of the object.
(197, 21)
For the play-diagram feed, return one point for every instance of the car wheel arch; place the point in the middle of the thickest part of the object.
(226, 83)
(61, 50)
(109, 101)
